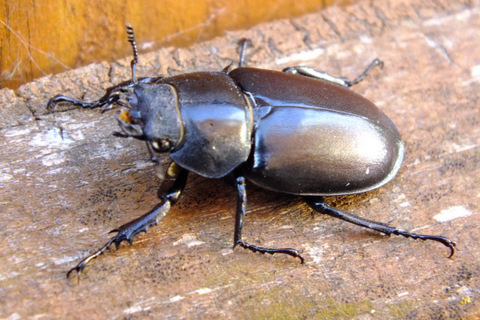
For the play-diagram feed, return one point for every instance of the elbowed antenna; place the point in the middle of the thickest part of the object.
(131, 39)
(113, 94)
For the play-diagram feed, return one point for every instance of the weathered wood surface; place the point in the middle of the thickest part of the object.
(65, 182)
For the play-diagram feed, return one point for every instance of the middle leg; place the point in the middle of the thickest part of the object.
(240, 214)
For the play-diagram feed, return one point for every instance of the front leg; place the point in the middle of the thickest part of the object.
(175, 180)
(240, 214)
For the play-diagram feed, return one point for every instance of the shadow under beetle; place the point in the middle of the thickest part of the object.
(299, 132)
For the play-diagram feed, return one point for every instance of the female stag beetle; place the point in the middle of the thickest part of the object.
(299, 131)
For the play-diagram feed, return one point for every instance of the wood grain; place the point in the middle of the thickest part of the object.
(40, 37)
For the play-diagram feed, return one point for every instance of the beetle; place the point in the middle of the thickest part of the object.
(299, 132)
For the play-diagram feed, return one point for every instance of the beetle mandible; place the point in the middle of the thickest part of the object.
(299, 131)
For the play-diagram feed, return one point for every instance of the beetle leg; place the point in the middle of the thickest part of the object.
(60, 98)
(243, 43)
(153, 156)
(373, 64)
(345, 82)
(129, 230)
(240, 214)
(318, 204)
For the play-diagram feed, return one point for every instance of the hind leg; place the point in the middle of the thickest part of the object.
(318, 204)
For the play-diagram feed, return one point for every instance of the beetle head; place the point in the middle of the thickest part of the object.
(153, 115)
(151, 111)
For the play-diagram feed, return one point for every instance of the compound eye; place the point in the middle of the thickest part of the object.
(161, 145)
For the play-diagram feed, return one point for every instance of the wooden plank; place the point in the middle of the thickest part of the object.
(38, 38)
(66, 182)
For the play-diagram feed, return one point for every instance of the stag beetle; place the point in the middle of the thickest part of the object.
(299, 132)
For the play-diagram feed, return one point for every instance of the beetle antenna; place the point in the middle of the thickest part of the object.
(131, 39)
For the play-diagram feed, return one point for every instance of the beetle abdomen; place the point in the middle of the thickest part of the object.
(317, 152)
(317, 138)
